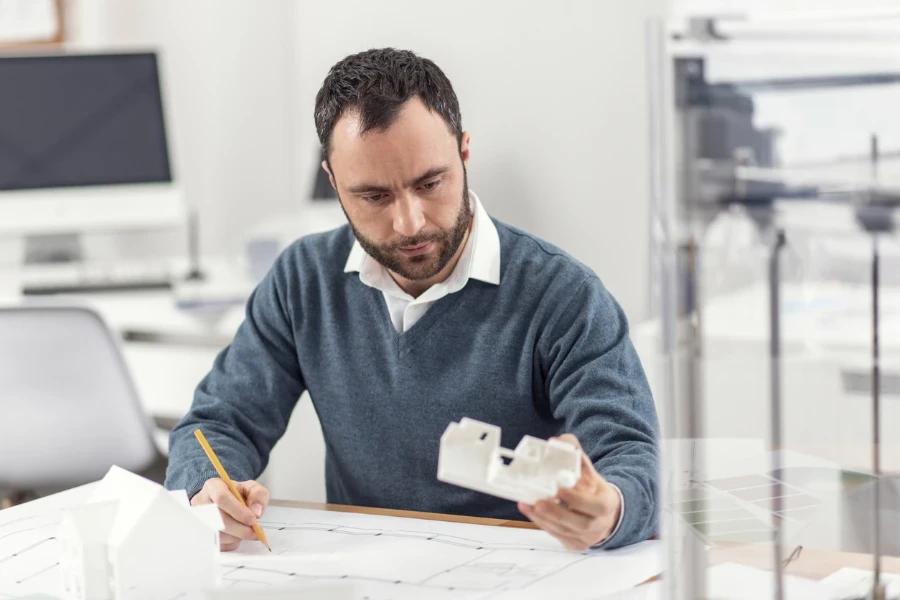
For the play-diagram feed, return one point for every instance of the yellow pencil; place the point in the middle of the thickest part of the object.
(224, 475)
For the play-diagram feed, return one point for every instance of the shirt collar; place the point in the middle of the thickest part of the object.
(480, 259)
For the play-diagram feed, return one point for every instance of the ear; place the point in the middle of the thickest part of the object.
(464, 147)
(330, 176)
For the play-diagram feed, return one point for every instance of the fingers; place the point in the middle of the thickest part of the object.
(569, 541)
(236, 529)
(257, 496)
(581, 503)
(228, 543)
(575, 531)
(221, 496)
(592, 495)
(567, 521)
(238, 518)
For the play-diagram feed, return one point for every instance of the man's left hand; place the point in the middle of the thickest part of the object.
(581, 516)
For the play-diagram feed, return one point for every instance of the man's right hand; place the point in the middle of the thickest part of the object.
(237, 517)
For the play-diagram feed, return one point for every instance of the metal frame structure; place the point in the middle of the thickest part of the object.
(696, 176)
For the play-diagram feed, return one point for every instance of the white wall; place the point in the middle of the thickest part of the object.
(554, 95)
(226, 68)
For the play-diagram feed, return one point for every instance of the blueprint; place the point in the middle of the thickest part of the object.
(385, 558)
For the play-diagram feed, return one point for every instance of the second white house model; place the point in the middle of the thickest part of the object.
(134, 539)
(471, 457)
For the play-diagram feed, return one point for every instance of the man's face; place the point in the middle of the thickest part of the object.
(404, 189)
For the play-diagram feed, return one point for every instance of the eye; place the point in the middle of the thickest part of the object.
(374, 198)
(431, 185)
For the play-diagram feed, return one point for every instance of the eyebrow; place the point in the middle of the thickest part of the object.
(365, 187)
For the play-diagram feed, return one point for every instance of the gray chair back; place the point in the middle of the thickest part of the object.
(68, 407)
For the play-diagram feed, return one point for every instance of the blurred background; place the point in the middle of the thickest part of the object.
(554, 97)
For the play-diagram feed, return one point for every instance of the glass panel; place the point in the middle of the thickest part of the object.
(776, 184)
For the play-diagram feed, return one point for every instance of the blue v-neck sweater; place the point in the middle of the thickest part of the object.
(544, 353)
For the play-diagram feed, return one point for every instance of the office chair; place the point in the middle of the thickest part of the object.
(68, 407)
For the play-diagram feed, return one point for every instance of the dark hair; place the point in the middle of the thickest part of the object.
(377, 83)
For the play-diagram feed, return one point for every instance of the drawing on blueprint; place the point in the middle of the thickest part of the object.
(385, 558)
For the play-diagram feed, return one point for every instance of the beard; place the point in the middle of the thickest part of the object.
(424, 267)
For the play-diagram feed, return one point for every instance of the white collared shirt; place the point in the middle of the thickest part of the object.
(480, 259)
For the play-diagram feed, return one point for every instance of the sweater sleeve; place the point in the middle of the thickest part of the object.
(243, 405)
(597, 388)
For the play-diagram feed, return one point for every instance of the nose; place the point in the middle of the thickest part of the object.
(409, 219)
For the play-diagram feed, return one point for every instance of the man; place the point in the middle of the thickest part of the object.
(420, 312)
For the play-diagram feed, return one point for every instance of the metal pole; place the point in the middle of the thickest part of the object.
(775, 399)
(878, 588)
(692, 404)
(687, 580)
(689, 379)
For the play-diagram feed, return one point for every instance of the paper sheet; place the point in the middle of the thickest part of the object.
(387, 558)
(737, 582)
(857, 583)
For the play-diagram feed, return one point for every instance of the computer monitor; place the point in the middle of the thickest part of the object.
(83, 145)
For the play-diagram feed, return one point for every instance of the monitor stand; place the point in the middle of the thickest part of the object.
(195, 273)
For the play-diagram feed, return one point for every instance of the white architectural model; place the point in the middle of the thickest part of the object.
(471, 457)
(133, 536)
